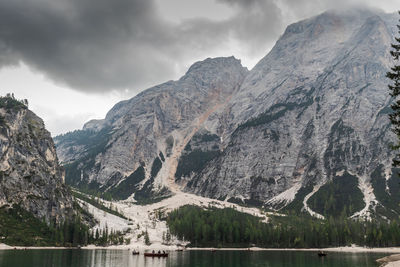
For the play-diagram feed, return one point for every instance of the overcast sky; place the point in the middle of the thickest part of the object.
(74, 59)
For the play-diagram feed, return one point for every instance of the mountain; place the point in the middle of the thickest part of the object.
(30, 175)
(313, 111)
(305, 130)
(137, 145)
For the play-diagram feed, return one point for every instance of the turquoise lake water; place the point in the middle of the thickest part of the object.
(123, 258)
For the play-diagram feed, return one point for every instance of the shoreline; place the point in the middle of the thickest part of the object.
(333, 249)
(351, 249)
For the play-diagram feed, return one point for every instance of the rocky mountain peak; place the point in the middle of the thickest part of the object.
(311, 110)
(202, 77)
(214, 65)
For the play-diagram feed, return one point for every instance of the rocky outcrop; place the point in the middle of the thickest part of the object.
(30, 175)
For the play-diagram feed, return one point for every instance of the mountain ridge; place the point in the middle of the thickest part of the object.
(310, 95)
(160, 117)
(314, 109)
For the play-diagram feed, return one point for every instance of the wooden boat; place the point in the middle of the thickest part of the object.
(321, 254)
(158, 255)
(135, 252)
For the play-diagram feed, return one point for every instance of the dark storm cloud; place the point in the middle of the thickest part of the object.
(87, 44)
(100, 45)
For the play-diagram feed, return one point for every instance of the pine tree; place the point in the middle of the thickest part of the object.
(75, 234)
(394, 87)
(105, 235)
(97, 234)
(168, 236)
(146, 238)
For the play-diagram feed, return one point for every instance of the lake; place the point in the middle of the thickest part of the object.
(123, 258)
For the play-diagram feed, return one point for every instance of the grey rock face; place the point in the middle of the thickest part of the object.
(313, 109)
(30, 175)
(155, 122)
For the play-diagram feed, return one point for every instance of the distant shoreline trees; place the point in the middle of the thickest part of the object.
(231, 228)
(20, 227)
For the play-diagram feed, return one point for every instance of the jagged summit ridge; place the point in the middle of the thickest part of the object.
(203, 75)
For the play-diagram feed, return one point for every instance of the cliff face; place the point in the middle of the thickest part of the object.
(307, 120)
(318, 105)
(30, 175)
(141, 139)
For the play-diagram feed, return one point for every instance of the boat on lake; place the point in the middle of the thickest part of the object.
(321, 253)
(159, 255)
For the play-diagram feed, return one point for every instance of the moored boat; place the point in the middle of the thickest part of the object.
(159, 255)
(321, 253)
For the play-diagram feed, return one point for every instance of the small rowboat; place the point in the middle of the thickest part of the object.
(321, 254)
(158, 255)
(135, 252)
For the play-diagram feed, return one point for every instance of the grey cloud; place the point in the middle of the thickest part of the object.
(303, 8)
(62, 124)
(243, 3)
(100, 45)
(87, 44)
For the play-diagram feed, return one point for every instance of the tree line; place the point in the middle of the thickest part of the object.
(231, 228)
(73, 234)
(20, 227)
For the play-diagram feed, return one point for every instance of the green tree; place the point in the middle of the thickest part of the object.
(97, 234)
(146, 238)
(394, 88)
(75, 233)
(168, 236)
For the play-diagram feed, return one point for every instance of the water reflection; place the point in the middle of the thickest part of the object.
(124, 258)
(100, 258)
